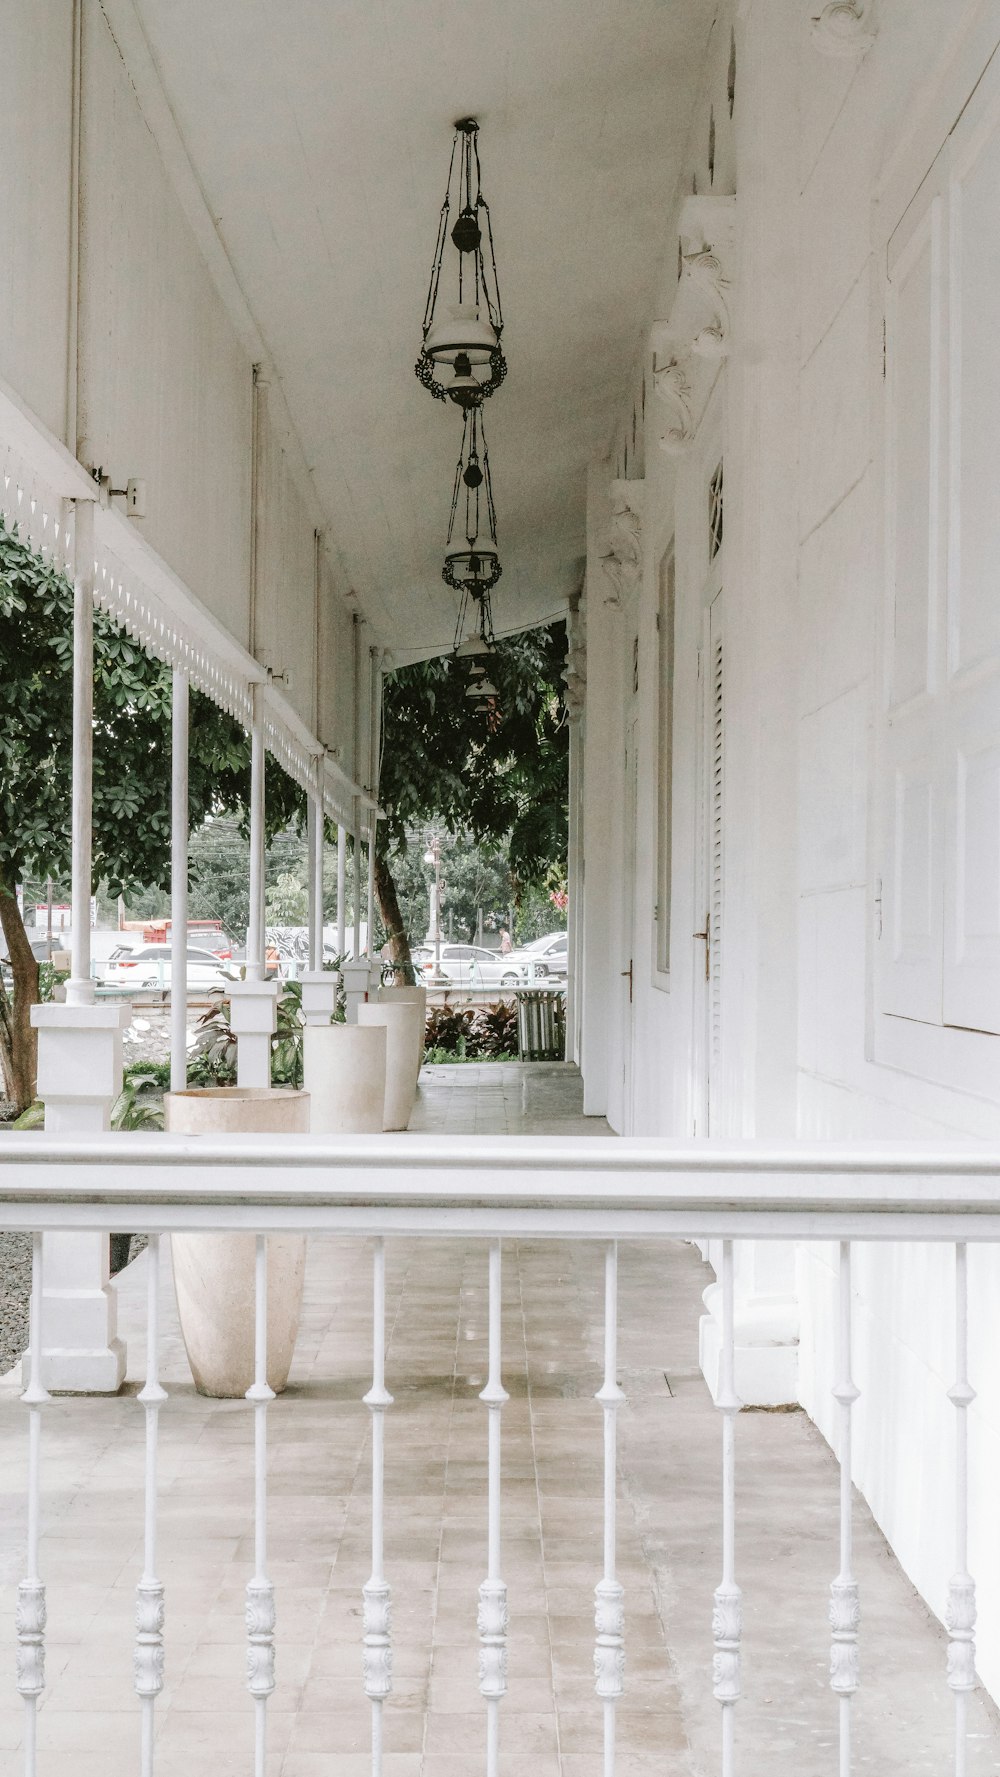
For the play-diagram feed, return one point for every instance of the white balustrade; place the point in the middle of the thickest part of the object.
(377, 1594)
(148, 1658)
(961, 1614)
(260, 1618)
(727, 1614)
(31, 1591)
(465, 1187)
(845, 1604)
(492, 1616)
(609, 1608)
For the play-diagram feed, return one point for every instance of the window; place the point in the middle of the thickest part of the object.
(665, 720)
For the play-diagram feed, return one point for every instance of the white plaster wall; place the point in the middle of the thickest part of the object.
(852, 127)
(35, 151)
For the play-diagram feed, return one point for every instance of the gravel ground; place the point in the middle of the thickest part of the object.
(15, 1290)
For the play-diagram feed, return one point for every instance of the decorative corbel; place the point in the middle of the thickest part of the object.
(671, 384)
(623, 562)
(706, 240)
(845, 27)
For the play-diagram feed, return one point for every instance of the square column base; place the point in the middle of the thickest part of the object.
(253, 1016)
(319, 995)
(766, 1349)
(357, 983)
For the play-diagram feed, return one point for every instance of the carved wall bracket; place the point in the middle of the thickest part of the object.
(845, 27)
(689, 347)
(623, 562)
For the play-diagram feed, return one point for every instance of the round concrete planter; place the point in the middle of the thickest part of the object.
(344, 1074)
(415, 995)
(404, 1035)
(214, 1273)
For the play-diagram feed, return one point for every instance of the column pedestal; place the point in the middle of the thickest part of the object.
(79, 1079)
(357, 981)
(319, 995)
(765, 1325)
(253, 1017)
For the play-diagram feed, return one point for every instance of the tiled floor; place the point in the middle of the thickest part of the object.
(435, 1545)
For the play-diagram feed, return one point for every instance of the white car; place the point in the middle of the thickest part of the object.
(150, 966)
(470, 965)
(543, 956)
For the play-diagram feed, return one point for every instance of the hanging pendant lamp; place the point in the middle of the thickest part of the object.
(472, 560)
(461, 358)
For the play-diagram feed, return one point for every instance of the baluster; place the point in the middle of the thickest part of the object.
(845, 1607)
(147, 1659)
(260, 1592)
(961, 1613)
(493, 1592)
(377, 1593)
(609, 1612)
(727, 1616)
(30, 1619)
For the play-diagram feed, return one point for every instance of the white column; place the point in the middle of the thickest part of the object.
(341, 890)
(845, 1607)
(370, 942)
(961, 1613)
(609, 1611)
(357, 947)
(727, 1615)
(80, 987)
(148, 1657)
(179, 818)
(377, 1594)
(493, 1591)
(260, 1615)
(31, 1591)
(80, 1058)
(254, 1001)
(315, 868)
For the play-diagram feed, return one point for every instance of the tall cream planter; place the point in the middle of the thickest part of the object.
(414, 994)
(404, 1035)
(214, 1273)
(344, 1075)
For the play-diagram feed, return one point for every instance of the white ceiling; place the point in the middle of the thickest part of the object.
(320, 132)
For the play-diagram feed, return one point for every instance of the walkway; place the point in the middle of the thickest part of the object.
(436, 1449)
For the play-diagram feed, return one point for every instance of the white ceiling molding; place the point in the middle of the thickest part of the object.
(845, 27)
(623, 562)
(689, 347)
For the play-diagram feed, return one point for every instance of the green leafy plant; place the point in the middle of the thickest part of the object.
(139, 1105)
(286, 1044)
(213, 1060)
(494, 1031)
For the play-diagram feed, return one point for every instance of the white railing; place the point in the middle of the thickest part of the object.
(529, 1187)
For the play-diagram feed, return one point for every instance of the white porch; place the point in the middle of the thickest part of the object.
(435, 1545)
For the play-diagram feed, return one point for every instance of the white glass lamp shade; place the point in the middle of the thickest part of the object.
(461, 331)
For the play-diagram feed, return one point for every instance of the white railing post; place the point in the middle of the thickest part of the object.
(727, 1615)
(148, 1657)
(609, 1612)
(492, 1621)
(961, 1612)
(845, 1606)
(377, 1664)
(31, 1591)
(260, 1617)
(341, 892)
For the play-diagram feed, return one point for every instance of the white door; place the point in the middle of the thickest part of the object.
(628, 923)
(708, 938)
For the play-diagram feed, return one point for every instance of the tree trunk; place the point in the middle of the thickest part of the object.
(392, 919)
(18, 1041)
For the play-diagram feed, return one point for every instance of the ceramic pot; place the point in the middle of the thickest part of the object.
(214, 1273)
(404, 1034)
(344, 1075)
(414, 994)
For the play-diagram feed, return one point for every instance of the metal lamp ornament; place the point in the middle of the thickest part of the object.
(461, 357)
(472, 560)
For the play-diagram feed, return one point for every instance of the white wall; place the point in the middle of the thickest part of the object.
(823, 173)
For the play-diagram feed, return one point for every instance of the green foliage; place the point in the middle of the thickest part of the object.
(132, 698)
(504, 782)
(286, 1044)
(471, 1033)
(139, 1105)
(213, 1062)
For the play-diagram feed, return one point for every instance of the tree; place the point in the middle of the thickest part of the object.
(502, 779)
(131, 822)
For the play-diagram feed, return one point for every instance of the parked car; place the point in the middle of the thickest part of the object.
(470, 965)
(542, 957)
(149, 966)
